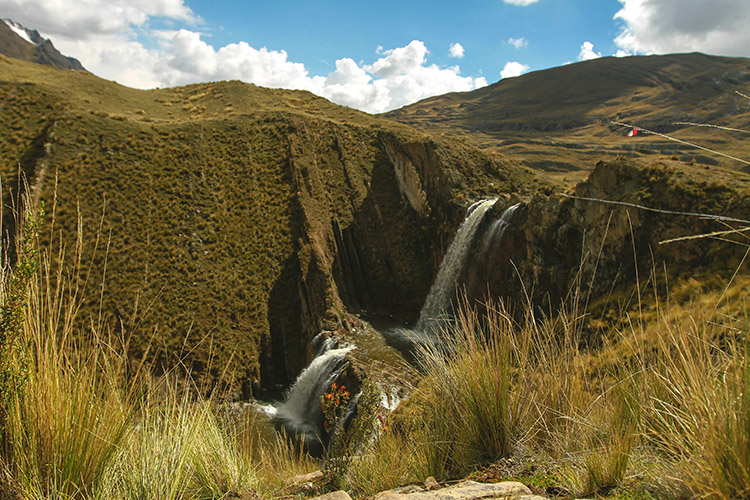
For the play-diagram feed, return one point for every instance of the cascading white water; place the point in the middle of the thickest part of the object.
(495, 234)
(454, 262)
(301, 412)
(323, 343)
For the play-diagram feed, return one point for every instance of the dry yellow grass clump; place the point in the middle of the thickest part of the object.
(81, 420)
(660, 410)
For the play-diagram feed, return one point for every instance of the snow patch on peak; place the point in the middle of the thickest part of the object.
(19, 30)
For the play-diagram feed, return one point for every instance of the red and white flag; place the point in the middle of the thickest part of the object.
(633, 132)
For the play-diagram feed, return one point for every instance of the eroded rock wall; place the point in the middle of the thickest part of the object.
(376, 211)
(596, 242)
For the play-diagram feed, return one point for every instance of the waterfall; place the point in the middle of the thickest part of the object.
(495, 234)
(454, 262)
(301, 412)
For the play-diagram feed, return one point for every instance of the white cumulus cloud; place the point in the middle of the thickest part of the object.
(513, 68)
(83, 19)
(400, 60)
(189, 59)
(400, 76)
(112, 39)
(522, 3)
(518, 43)
(587, 52)
(456, 50)
(663, 26)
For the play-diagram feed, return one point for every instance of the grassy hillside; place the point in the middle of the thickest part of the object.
(217, 209)
(560, 120)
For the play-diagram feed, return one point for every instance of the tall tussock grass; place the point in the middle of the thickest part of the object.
(467, 401)
(664, 400)
(79, 420)
(178, 449)
(495, 389)
(64, 422)
(696, 410)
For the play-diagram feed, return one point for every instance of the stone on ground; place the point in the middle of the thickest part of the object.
(334, 495)
(468, 490)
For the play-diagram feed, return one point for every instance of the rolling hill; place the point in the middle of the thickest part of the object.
(560, 120)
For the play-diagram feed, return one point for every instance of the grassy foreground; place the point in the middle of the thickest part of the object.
(80, 420)
(662, 409)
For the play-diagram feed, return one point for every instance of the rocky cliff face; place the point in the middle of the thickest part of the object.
(591, 244)
(371, 230)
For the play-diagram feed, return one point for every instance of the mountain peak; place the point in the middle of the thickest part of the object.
(31, 36)
(20, 42)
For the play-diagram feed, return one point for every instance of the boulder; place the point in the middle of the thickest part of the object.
(334, 495)
(467, 490)
(430, 484)
(305, 478)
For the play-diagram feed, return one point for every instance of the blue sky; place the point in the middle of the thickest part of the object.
(320, 32)
(373, 56)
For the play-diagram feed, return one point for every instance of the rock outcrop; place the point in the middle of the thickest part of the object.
(627, 220)
(466, 490)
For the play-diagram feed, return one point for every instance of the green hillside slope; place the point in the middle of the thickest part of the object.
(560, 120)
(236, 222)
